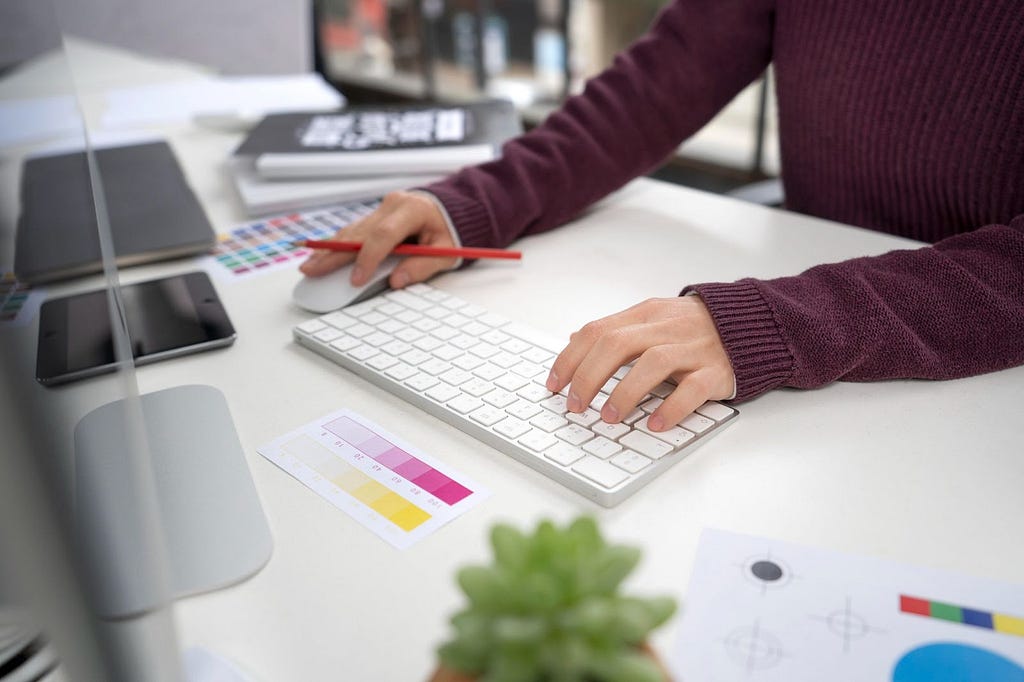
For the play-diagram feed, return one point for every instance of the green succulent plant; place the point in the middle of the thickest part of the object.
(548, 609)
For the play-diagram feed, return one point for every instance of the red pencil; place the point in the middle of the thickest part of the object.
(416, 250)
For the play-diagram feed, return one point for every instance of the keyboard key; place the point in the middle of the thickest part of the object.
(338, 320)
(327, 335)
(537, 356)
(464, 404)
(345, 343)
(500, 398)
(477, 387)
(401, 371)
(556, 403)
(443, 392)
(523, 409)
(645, 444)
(716, 411)
(363, 352)
(602, 447)
(415, 357)
(651, 404)
(584, 418)
(487, 415)
(512, 427)
(312, 326)
(420, 382)
(534, 393)
(663, 390)
(537, 440)
(510, 382)
(600, 472)
(489, 372)
(676, 436)
(495, 337)
(575, 434)
(630, 461)
(381, 361)
(463, 361)
(378, 339)
(448, 353)
(564, 454)
(456, 376)
(548, 421)
(697, 423)
(610, 431)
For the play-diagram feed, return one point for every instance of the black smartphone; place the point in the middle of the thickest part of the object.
(166, 318)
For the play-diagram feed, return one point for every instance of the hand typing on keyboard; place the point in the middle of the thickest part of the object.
(486, 376)
(667, 338)
(664, 338)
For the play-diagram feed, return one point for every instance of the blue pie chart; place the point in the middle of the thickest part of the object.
(951, 662)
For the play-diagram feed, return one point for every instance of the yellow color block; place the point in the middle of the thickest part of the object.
(351, 480)
(390, 504)
(1008, 624)
(409, 517)
(370, 492)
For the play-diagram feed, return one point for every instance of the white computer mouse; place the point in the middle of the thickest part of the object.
(335, 290)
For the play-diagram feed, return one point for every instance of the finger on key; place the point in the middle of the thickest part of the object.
(652, 368)
(693, 391)
(610, 352)
(580, 345)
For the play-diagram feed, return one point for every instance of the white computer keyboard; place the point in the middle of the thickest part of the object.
(485, 375)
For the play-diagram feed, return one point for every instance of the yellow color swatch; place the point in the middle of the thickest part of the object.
(362, 487)
(1008, 624)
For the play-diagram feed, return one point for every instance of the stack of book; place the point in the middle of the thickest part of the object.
(302, 160)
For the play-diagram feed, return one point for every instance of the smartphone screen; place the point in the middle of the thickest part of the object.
(165, 318)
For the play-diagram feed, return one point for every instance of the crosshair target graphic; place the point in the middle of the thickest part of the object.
(848, 625)
(766, 572)
(753, 648)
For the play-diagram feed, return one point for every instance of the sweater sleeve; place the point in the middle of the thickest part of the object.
(696, 57)
(950, 310)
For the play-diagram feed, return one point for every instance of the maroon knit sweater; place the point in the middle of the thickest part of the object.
(904, 117)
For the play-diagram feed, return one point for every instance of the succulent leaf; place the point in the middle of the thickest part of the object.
(549, 609)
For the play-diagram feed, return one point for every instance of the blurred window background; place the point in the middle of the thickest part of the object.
(535, 53)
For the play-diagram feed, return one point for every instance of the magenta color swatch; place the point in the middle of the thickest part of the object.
(412, 469)
(394, 458)
(452, 492)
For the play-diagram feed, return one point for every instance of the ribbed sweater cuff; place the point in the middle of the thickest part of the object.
(760, 357)
(468, 215)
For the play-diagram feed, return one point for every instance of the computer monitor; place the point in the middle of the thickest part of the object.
(94, 542)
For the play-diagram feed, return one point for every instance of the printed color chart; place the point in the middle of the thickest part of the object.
(1000, 622)
(398, 492)
(268, 244)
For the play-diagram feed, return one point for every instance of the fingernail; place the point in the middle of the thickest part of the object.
(610, 414)
(656, 423)
(552, 382)
(401, 280)
(574, 403)
(357, 275)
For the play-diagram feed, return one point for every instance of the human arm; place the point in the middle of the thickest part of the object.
(696, 57)
(950, 310)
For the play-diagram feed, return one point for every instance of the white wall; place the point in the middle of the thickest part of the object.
(231, 36)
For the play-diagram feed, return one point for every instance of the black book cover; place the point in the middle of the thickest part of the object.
(153, 212)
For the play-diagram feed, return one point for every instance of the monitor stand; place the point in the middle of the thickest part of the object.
(214, 531)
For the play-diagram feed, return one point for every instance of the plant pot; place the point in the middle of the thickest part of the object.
(445, 674)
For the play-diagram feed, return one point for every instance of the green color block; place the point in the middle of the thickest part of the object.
(946, 612)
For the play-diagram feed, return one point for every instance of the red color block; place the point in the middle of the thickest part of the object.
(914, 605)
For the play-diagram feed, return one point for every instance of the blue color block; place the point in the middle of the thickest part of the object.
(979, 619)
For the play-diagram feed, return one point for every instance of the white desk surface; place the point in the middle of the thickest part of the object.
(923, 472)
